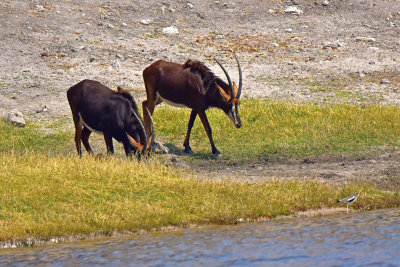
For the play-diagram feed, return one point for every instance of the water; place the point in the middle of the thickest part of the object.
(356, 239)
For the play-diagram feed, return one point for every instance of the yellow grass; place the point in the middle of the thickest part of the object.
(45, 196)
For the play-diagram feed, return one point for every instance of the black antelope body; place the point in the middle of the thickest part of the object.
(191, 85)
(97, 108)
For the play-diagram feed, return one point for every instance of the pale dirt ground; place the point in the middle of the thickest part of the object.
(48, 46)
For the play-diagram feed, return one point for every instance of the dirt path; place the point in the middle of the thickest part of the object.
(332, 52)
(382, 169)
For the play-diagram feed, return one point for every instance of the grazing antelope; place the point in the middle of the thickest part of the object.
(97, 108)
(191, 85)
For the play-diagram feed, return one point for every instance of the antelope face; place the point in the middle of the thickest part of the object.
(233, 113)
(144, 139)
(232, 97)
(232, 105)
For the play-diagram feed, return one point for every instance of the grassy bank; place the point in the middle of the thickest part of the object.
(44, 196)
(46, 191)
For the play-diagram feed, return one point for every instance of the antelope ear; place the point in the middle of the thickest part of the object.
(119, 89)
(235, 90)
(223, 93)
(135, 143)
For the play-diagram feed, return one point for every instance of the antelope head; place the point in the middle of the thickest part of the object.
(233, 97)
(148, 137)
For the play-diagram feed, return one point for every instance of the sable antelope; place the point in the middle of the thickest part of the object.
(191, 85)
(97, 108)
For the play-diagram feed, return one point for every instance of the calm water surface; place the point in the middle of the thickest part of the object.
(357, 239)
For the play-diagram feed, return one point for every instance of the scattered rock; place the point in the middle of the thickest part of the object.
(15, 117)
(146, 21)
(42, 109)
(289, 30)
(364, 39)
(159, 148)
(81, 39)
(172, 30)
(385, 81)
(367, 71)
(325, 3)
(116, 65)
(372, 48)
(293, 10)
(190, 5)
(271, 11)
(333, 45)
(40, 8)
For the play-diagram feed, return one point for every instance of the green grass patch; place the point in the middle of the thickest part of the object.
(277, 129)
(43, 196)
(270, 130)
(33, 138)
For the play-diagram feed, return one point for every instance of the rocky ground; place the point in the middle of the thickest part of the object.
(301, 50)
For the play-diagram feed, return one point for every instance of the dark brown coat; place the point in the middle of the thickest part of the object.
(191, 85)
(96, 107)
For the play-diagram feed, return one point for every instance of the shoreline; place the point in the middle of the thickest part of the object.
(37, 242)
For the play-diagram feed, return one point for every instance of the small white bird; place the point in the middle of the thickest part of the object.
(349, 200)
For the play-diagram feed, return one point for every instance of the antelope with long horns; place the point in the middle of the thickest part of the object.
(97, 108)
(191, 85)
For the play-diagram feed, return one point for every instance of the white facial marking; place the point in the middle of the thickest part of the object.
(231, 115)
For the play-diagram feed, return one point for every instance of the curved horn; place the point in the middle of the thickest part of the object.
(240, 78)
(227, 77)
(141, 147)
(151, 134)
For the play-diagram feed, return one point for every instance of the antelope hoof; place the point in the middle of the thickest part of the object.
(217, 154)
(188, 150)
